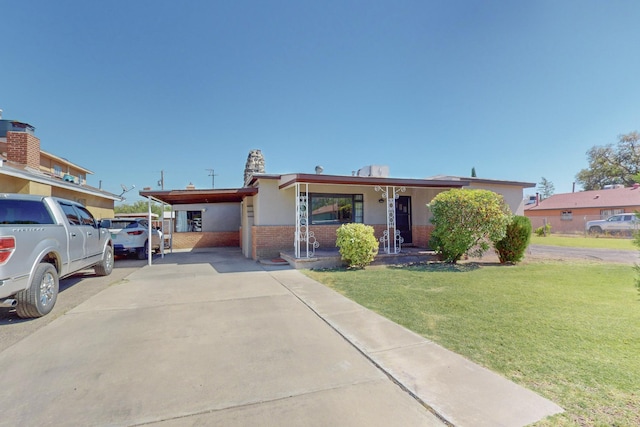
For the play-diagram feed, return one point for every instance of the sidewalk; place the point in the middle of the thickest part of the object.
(210, 338)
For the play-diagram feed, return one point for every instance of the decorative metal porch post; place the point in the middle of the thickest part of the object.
(391, 233)
(302, 233)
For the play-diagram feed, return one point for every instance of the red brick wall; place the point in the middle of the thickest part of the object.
(421, 235)
(269, 240)
(23, 148)
(205, 239)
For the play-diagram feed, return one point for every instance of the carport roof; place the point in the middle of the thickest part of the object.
(181, 197)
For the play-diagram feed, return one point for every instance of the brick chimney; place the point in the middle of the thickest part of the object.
(23, 148)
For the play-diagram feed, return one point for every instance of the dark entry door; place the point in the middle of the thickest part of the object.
(403, 218)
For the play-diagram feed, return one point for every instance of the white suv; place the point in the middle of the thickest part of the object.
(621, 223)
(131, 236)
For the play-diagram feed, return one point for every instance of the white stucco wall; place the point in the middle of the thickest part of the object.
(513, 195)
(215, 216)
(273, 206)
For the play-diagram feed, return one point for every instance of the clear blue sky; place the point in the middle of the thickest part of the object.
(519, 90)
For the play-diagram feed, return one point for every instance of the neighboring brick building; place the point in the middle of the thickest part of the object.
(569, 212)
(26, 169)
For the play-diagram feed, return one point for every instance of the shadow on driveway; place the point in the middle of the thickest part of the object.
(223, 260)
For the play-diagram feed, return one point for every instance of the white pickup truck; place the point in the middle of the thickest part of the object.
(41, 240)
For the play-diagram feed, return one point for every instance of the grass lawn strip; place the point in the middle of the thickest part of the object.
(570, 332)
(577, 241)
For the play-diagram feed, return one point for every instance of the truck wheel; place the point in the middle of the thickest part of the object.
(41, 296)
(595, 230)
(143, 252)
(105, 267)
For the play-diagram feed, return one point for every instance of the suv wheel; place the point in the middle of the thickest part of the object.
(143, 252)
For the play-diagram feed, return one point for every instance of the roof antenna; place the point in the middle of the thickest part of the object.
(125, 189)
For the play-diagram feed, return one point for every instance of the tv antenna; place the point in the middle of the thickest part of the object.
(125, 189)
(213, 177)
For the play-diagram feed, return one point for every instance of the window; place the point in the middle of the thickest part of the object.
(24, 212)
(336, 208)
(71, 213)
(566, 216)
(57, 169)
(85, 217)
(187, 221)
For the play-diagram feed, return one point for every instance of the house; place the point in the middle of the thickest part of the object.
(299, 213)
(26, 169)
(569, 212)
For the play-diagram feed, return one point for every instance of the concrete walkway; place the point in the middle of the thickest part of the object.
(210, 338)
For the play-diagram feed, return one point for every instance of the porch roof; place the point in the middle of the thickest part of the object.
(177, 197)
(288, 180)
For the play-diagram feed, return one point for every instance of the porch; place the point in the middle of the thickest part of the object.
(330, 258)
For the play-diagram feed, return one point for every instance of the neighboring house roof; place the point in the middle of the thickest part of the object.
(614, 197)
(483, 180)
(65, 162)
(31, 174)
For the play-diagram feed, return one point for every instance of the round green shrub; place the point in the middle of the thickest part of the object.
(358, 244)
(512, 247)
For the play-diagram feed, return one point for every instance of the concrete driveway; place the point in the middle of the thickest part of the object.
(210, 338)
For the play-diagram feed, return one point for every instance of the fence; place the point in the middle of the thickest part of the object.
(577, 224)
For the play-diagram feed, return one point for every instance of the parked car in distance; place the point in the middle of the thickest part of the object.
(131, 236)
(617, 224)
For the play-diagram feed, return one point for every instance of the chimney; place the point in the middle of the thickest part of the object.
(23, 148)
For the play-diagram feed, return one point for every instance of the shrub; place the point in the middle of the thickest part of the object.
(465, 221)
(357, 243)
(542, 231)
(511, 248)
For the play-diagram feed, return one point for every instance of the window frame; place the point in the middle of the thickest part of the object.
(357, 208)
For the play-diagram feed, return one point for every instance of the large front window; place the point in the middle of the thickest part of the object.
(336, 208)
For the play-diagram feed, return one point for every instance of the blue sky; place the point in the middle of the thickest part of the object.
(518, 90)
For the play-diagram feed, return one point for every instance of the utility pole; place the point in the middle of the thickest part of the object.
(161, 181)
(213, 177)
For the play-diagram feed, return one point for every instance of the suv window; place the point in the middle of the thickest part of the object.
(71, 213)
(85, 217)
(24, 212)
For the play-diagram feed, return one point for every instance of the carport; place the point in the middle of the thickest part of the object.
(223, 200)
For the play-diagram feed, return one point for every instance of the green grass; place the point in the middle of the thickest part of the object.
(570, 332)
(579, 241)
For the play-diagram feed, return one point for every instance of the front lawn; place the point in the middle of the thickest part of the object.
(579, 241)
(570, 332)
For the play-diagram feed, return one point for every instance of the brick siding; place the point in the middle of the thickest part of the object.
(269, 241)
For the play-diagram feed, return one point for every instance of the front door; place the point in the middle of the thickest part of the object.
(403, 218)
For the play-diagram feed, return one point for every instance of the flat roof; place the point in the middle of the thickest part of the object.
(183, 197)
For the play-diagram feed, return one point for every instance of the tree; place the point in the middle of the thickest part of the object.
(545, 188)
(609, 164)
(473, 172)
(512, 247)
(140, 206)
(466, 221)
